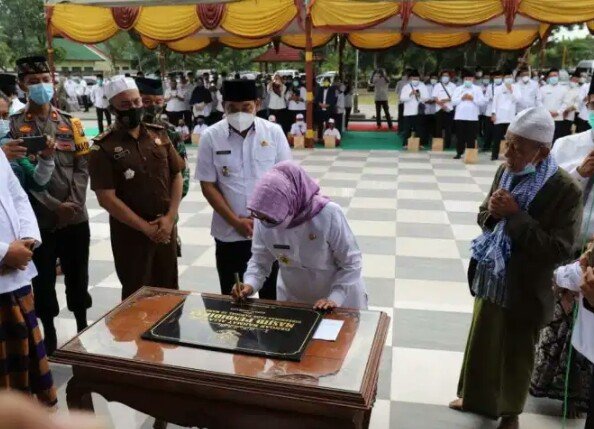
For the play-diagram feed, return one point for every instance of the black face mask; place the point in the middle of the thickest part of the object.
(130, 118)
(151, 114)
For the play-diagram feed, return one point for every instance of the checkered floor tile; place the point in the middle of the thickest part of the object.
(414, 216)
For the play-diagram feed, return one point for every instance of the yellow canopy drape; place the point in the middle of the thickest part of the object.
(351, 13)
(558, 11)
(84, 24)
(189, 44)
(258, 18)
(440, 40)
(168, 23)
(298, 40)
(374, 40)
(241, 43)
(462, 12)
(501, 39)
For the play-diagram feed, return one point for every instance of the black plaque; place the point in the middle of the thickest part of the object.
(274, 331)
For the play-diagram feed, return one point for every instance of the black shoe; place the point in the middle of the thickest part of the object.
(81, 320)
(458, 156)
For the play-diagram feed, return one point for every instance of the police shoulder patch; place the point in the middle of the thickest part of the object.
(64, 113)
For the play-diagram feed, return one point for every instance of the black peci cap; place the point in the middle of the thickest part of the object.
(32, 65)
(148, 86)
(239, 90)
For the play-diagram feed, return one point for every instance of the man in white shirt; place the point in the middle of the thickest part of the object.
(468, 99)
(442, 94)
(381, 83)
(486, 127)
(528, 89)
(299, 127)
(332, 131)
(234, 154)
(200, 126)
(186, 88)
(20, 336)
(571, 104)
(176, 101)
(551, 97)
(505, 101)
(582, 123)
(101, 103)
(413, 95)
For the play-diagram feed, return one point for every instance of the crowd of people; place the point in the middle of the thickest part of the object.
(275, 234)
(466, 105)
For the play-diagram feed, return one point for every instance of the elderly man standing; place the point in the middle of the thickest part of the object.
(530, 220)
(136, 174)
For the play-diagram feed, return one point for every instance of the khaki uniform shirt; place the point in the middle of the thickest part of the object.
(139, 170)
(71, 175)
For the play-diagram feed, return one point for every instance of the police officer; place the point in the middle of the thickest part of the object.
(136, 174)
(234, 153)
(60, 209)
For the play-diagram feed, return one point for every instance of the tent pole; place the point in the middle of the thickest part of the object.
(309, 136)
(50, 47)
(356, 96)
(341, 46)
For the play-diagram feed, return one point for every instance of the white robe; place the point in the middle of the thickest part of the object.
(318, 259)
(569, 152)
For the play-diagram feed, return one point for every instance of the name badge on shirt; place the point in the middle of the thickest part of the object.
(223, 152)
(282, 246)
(121, 154)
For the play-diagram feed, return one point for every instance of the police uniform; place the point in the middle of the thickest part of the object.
(69, 242)
(235, 163)
(141, 172)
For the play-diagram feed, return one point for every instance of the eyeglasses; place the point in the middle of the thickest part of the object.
(264, 219)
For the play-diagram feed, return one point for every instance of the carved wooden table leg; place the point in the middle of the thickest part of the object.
(78, 395)
(160, 424)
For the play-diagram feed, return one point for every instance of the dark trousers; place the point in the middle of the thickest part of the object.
(282, 118)
(486, 131)
(378, 113)
(141, 262)
(581, 125)
(565, 128)
(71, 245)
(347, 117)
(233, 258)
(466, 134)
(443, 123)
(338, 120)
(174, 117)
(590, 419)
(321, 117)
(100, 113)
(410, 123)
(499, 131)
(188, 119)
(559, 130)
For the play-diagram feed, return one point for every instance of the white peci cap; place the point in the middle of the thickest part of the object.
(331, 121)
(118, 85)
(299, 116)
(534, 123)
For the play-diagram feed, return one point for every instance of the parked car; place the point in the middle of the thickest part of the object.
(292, 73)
(586, 66)
(328, 74)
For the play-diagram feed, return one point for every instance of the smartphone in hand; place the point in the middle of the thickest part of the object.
(35, 144)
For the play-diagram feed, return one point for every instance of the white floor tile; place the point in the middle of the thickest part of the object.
(425, 376)
(376, 184)
(422, 216)
(462, 206)
(459, 187)
(380, 416)
(427, 248)
(338, 192)
(373, 228)
(379, 266)
(413, 178)
(433, 296)
(196, 236)
(373, 203)
(415, 194)
(466, 232)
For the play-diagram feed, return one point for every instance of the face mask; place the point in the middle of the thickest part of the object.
(479, 74)
(582, 80)
(468, 83)
(530, 168)
(525, 79)
(284, 224)
(553, 80)
(573, 84)
(486, 81)
(508, 80)
(151, 114)
(433, 81)
(299, 121)
(241, 121)
(296, 83)
(41, 93)
(535, 78)
(414, 82)
(130, 118)
(497, 81)
(591, 118)
(100, 82)
(445, 79)
(4, 127)
(342, 88)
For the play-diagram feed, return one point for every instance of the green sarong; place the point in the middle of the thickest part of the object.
(498, 362)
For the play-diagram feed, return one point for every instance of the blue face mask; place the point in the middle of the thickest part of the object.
(591, 118)
(530, 168)
(41, 93)
(553, 80)
(445, 79)
(4, 127)
(468, 83)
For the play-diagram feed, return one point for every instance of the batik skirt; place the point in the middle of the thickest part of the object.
(23, 362)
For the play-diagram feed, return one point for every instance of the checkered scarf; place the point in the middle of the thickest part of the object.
(492, 249)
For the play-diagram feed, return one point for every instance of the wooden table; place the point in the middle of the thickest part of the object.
(334, 385)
